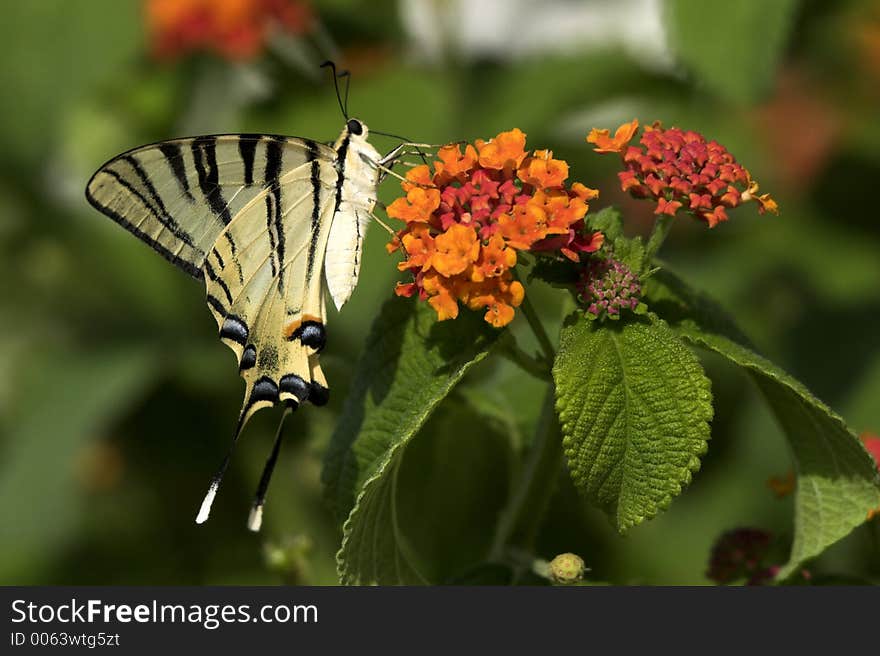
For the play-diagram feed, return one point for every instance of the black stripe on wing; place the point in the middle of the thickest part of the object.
(174, 156)
(312, 157)
(186, 265)
(274, 153)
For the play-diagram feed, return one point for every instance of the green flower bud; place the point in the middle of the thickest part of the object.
(567, 568)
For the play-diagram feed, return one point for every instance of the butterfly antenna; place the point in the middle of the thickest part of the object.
(255, 519)
(207, 502)
(347, 76)
(342, 106)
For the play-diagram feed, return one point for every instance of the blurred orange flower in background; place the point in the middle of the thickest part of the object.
(234, 29)
(467, 219)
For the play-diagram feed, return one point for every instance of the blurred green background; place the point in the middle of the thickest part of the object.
(117, 400)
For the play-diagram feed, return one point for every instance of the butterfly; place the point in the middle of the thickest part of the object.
(272, 225)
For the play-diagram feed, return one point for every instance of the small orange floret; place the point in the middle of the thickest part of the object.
(456, 248)
(444, 305)
(543, 171)
(767, 204)
(670, 207)
(419, 246)
(605, 143)
(526, 225)
(507, 150)
(495, 258)
(584, 192)
(417, 206)
(418, 176)
(454, 164)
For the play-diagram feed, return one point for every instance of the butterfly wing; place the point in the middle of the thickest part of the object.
(251, 215)
(248, 214)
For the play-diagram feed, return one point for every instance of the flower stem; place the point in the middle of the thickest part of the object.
(535, 366)
(538, 329)
(519, 523)
(662, 226)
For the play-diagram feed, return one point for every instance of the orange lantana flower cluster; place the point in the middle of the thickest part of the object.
(234, 29)
(681, 170)
(468, 218)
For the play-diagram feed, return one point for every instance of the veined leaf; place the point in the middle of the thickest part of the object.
(837, 482)
(410, 363)
(635, 407)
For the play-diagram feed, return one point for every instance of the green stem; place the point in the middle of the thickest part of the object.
(538, 328)
(519, 523)
(535, 366)
(662, 226)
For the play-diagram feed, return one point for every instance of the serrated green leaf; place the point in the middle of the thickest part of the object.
(608, 221)
(635, 407)
(837, 480)
(410, 363)
(732, 48)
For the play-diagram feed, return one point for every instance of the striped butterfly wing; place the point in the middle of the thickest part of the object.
(250, 215)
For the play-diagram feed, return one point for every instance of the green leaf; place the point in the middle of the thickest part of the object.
(635, 407)
(837, 480)
(730, 47)
(459, 468)
(410, 363)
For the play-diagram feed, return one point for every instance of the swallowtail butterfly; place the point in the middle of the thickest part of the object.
(272, 225)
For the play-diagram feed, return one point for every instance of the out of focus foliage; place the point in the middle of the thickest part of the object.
(116, 398)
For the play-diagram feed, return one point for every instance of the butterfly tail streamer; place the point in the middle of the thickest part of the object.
(214, 485)
(255, 518)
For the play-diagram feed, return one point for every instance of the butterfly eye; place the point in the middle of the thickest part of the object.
(355, 126)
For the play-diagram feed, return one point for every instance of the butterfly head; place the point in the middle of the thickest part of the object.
(356, 128)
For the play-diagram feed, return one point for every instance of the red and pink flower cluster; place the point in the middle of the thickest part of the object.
(681, 170)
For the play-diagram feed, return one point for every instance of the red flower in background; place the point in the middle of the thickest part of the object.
(235, 29)
(872, 444)
(466, 221)
(679, 169)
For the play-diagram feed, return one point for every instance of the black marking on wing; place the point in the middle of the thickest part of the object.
(293, 384)
(264, 389)
(219, 258)
(232, 249)
(311, 334)
(157, 212)
(209, 271)
(274, 152)
(318, 394)
(235, 330)
(174, 156)
(312, 157)
(204, 150)
(247, 148)
(248, 357)
(187, 266)
(214, 302)
(273, 252)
